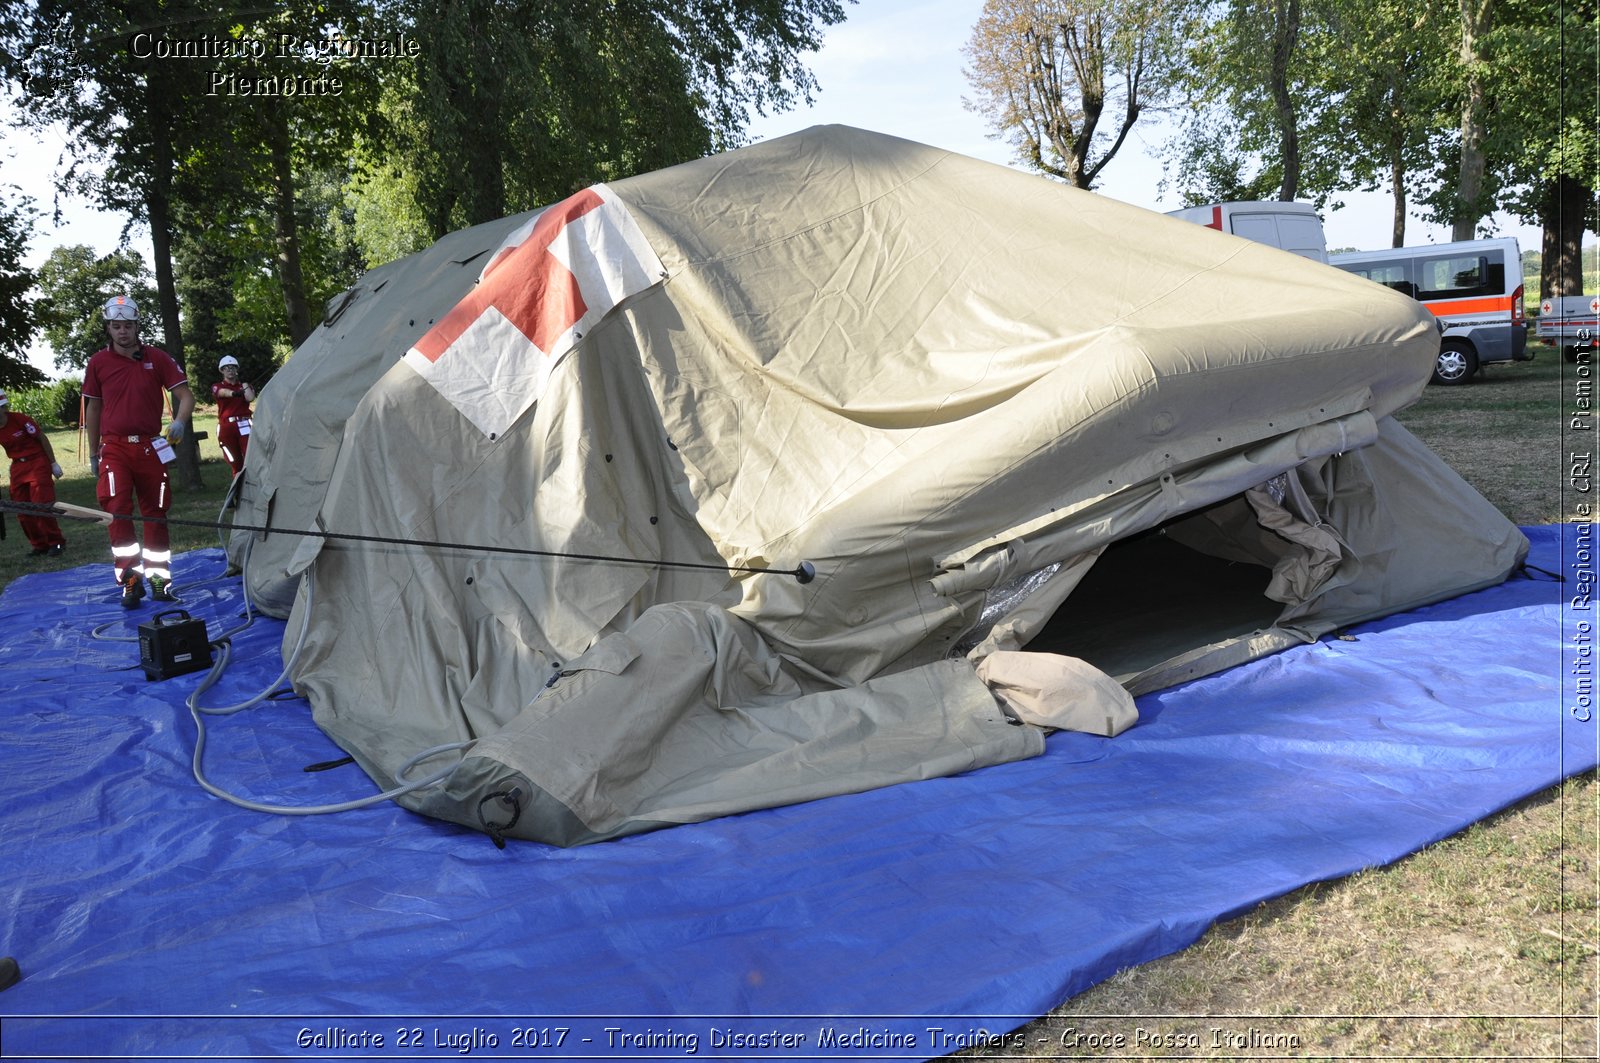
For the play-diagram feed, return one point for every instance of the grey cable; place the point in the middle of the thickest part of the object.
(199, 712)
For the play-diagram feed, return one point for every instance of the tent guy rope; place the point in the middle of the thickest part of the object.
(804, 572)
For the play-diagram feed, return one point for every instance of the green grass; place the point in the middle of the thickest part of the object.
(1482, 946)
(1503, 434)
(1477, 946)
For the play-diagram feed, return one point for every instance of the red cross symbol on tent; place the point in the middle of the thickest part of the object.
(528, 285)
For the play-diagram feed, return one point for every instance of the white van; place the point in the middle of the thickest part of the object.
(1473, 287)
(1294, 227)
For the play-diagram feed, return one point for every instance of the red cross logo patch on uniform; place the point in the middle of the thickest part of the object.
(551, 281)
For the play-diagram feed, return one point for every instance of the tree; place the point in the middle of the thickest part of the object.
(1470, 204)
(1460, 109)
(74, 284)
(1254, 92)
(515, 104)
(1047, 72)
(277, 151)
(1549, 118)
(127, 115)
(1385, 65)
(1283, 18)
(382, 197)
(17, 318)
(1302, 99)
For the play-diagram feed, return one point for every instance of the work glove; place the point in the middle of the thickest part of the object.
(55, 469)
(175, 431)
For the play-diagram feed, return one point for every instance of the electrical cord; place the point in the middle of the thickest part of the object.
(804, 572)
(223, 643)
(199, 712)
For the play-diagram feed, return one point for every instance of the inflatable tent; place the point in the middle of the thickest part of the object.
(829, 463)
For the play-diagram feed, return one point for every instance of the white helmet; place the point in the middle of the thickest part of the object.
(121, 308)
(228, 360)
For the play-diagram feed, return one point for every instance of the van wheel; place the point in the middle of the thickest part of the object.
(1457, 364)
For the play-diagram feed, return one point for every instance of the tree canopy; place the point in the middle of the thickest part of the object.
(1047, 73)
(17, 317)
(1456, 109)
(74, 284)
(274, 152)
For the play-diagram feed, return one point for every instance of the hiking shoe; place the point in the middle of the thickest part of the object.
(39, 551)
(132, 591)
(58, 549)
(161, 590)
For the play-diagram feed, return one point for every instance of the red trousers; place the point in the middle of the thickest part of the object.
(31, 482)
(233, 444)
(128, 469)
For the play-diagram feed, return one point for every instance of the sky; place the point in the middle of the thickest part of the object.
(893, 66)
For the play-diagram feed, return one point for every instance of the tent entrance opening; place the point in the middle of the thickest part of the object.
(1149, 599)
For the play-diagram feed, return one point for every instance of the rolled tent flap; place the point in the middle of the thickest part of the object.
(1057, 692)
(990, 413)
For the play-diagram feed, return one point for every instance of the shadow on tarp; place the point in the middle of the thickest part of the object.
(967, 905)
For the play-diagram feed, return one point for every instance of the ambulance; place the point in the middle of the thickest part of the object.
(1293, 227)
(1473, 288)
(1571, 322)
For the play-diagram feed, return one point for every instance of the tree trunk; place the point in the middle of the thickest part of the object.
(1475, 16)
(286, 229)
(1397, 162)
(1397, 179)
(1285, 34)
(486, 190)
(158, 202)
(1564, 210)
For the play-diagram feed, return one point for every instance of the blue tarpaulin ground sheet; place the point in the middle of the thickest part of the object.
(152, 919)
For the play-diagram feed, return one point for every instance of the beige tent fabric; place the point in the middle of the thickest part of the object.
(688, 710)
(1057, 692)
(927, 377)
(300, 419)
(1316, 555)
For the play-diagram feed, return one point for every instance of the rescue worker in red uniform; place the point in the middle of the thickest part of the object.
(124, 388)
(233, 400)
(33, 464)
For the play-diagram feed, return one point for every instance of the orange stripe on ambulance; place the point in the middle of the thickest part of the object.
(1474, 288)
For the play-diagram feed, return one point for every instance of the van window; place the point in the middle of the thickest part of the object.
(1258, 227)
(1302, 235)
(1390, 275)
(1459, 276)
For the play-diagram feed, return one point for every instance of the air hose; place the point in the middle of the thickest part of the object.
(199, 712)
